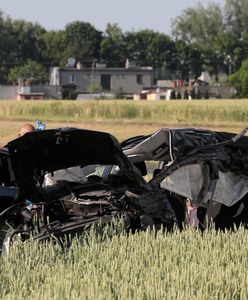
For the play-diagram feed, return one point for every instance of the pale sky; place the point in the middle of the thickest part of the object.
(128, 14)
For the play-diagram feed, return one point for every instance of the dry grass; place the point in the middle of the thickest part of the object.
(9, 129)
(122, 130)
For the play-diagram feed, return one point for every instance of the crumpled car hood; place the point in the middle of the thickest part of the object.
(39, 152)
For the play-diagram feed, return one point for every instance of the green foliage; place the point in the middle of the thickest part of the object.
(193, 94)
(113, 46)
(29, 43)
(188, 60)
(7, 47)
(186, 95)
(198, 94)
(206, 95)
(69, 95)
(55, 46)
(149, 48)
(199, 24)
(240, 80)
(173, 95)
(119, 94)
(220, 36)
(236, 16)
(179, 96)
(94, 88)
(30, 71)
(83, 42)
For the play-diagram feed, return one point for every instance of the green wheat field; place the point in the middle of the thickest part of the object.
(114, 265)
(182, 265)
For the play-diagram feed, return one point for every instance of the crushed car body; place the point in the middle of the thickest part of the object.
(206, 167)
(60, 181)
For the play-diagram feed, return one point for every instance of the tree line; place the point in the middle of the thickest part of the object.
(204, 38)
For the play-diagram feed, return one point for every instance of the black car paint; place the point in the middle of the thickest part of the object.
(70, 207)
(219, 151)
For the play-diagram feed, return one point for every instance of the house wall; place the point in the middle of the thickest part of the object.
(73, 77)
(51, 92)
(8, 92)
(81, 79)
(128, 81)
(224, 92)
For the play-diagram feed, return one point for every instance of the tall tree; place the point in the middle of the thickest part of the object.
(150, 48)
(54, 48)
(236, 18)
(199, 25)
(188, 59)
(7, 47)
(203, 27)
(29, 43)
(82, 42)
(113, 46)
(236, 13)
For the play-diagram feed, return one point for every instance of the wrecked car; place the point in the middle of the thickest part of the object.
(58, 182)
(204, 173)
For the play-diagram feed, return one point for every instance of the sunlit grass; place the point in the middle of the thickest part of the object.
(180, 112)
(182, 265)
(124, 118)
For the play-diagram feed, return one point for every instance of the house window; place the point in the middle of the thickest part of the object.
(72, 78)
(139, 79)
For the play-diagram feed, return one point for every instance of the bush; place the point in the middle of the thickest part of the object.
(179, 96)
(240, 80)
(69, 95)
(186, 95)
(206, 96)
(31, 71)
(173, 95)
(198, 95)
(193, 94)
(119, 94)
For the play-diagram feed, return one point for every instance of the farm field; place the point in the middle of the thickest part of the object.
(195, 112)
(9, 129)
(179, 265)
(124, 118)
(182, 265)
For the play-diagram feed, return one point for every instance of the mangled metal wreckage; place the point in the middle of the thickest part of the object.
(60, 181)
(204, 173)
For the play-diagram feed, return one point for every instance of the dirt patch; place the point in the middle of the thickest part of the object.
(122, 130)
(9, 129)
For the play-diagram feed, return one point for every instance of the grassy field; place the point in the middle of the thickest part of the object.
(182, 265)
(180, 112)
(9, 128)
(124, 118)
